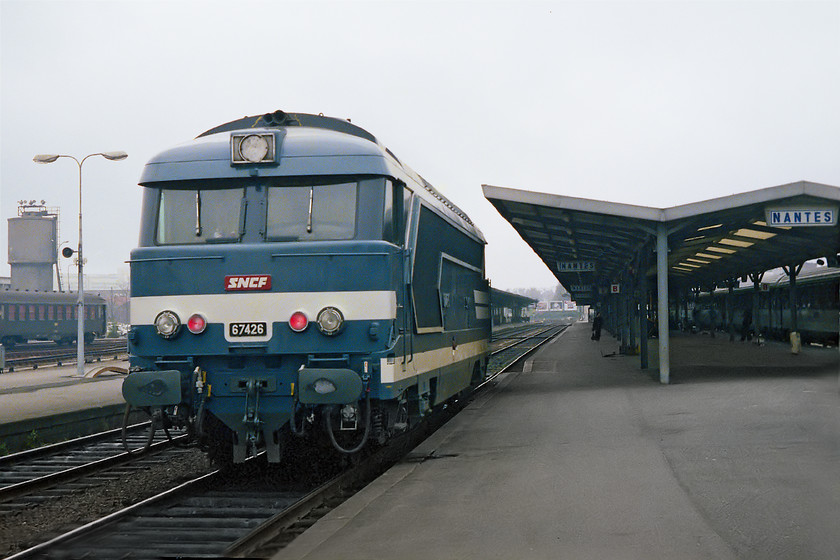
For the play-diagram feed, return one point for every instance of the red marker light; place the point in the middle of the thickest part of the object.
(298, 321)
(196, 324)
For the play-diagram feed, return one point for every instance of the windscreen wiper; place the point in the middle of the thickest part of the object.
(311, 200)
(198, 213)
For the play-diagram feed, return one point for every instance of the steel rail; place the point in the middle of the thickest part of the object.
(108, 519)
(521, 340)
(53, 448)
(50, 480)
(276, 526)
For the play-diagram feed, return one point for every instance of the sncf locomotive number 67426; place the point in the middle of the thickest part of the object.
(294, 279)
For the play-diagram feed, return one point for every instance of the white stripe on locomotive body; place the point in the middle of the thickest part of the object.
(429, 360)
(249, 307)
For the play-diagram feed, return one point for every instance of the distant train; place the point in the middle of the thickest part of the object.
(560, 312)
(294, 278)
(47, 316)
(818, 307)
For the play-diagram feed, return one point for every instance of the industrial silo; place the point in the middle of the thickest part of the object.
(33, 247)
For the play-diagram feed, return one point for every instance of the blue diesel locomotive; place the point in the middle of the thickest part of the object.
(294, 278)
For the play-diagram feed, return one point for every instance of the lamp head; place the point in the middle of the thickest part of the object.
(114, 156)
(45, 158)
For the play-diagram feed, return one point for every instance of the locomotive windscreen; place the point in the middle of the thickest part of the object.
(312, 213)
(272, 210)
(199, 216)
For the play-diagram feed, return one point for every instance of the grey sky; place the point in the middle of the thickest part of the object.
(652, 103)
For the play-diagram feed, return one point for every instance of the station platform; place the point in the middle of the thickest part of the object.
(583, 455)
(50, 404)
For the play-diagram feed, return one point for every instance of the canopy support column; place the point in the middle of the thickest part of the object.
(756, 278)
(662, 302)
(795, 338)
(643, 311)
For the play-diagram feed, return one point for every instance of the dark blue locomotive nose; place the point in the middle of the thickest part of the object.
(293, 276)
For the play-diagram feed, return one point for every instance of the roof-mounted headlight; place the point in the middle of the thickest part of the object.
(251, 148)
(167, 324)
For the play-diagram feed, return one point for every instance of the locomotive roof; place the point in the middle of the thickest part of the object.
(341, 147)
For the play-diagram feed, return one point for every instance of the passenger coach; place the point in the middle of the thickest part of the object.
(26, 315)
(294, 278)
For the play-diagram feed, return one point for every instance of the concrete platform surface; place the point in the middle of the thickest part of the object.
(583, 455)
(48, 391)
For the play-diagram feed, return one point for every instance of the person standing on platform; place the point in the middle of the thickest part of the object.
(597, 323)
(745, 325)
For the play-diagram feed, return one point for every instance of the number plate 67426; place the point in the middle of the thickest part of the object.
(247, 329)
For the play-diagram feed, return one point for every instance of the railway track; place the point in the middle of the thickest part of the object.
(255, 510)
(48, 472)
(37, 355)
(511, 348)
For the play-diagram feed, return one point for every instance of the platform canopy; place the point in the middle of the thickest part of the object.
(590, 245)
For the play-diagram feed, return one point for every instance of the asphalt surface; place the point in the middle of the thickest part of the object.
(583, 455)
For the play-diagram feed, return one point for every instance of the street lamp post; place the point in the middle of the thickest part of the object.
(80, 301)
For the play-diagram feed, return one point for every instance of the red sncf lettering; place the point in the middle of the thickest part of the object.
(248, 282)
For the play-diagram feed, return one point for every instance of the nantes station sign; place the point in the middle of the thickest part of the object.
(801, 216)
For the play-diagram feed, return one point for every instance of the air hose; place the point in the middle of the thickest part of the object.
(149, 438)
(364, 437)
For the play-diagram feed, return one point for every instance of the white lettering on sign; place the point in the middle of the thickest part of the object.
(793, 217)
(576, 266)
(248, 282)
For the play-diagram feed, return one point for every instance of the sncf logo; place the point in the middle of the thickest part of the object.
(249, 282)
